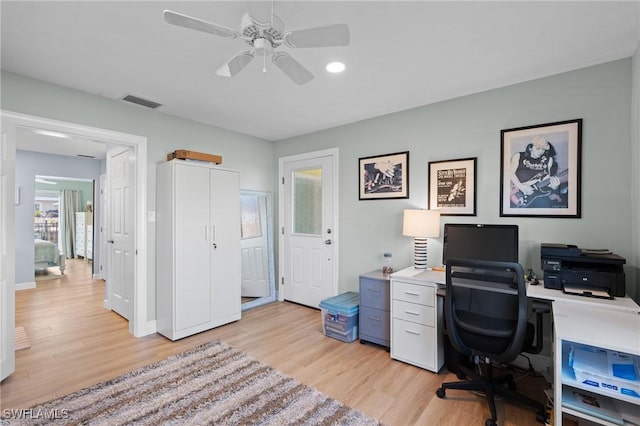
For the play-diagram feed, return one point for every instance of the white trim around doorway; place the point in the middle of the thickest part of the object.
(139, 325)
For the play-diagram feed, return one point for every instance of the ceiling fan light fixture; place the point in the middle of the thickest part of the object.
(264, 38)
(335, 67)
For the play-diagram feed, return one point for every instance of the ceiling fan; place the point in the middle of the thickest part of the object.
(264, 39)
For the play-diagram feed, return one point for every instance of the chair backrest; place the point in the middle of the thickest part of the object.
(486, 308)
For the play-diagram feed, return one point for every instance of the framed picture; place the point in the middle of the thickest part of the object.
(384, 176)
(452, 187)
(540, 173)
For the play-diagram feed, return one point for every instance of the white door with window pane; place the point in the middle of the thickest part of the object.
(309, 241)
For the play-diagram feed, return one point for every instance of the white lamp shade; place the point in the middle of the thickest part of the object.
(421, 223)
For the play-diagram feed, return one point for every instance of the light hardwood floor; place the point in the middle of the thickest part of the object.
(76, 343)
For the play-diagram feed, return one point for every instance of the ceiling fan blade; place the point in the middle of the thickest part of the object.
(235, 64)
(181, 20)
(296, 72)
(330, 35)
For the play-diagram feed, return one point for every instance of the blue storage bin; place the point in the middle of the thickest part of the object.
(340, 316)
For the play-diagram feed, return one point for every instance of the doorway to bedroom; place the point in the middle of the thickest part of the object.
(63, 225)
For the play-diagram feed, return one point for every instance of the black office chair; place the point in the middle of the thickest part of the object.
(486, 319)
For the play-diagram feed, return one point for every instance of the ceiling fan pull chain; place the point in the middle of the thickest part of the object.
(264, 61)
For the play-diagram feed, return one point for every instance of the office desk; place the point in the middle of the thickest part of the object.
(619, 303)
(611, 324)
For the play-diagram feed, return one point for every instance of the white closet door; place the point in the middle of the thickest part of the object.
(192, 242)
(225, 255)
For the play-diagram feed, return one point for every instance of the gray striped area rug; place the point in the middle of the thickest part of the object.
(210, 384)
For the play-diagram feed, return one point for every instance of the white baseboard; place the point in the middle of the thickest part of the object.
(25, 286)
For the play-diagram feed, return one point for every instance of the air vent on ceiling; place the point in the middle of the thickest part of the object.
(85, 156)
(142, 102)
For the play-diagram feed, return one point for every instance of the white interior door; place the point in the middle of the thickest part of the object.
(255, 245)
(121, 228)
(309, 238)
(7, 249)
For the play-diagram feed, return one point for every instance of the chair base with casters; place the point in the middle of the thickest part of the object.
(491, 386)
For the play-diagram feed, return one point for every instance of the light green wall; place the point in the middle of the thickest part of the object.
(463, 127)
(470, 127)
(253, 157)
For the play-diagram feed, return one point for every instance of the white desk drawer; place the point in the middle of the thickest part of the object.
(423, 295)
(413, 312)
(413, 343)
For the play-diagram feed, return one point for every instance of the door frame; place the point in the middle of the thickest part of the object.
(335, 230)
(139, 325)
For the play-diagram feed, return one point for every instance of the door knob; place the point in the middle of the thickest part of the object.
(328, 242)
(110, 241)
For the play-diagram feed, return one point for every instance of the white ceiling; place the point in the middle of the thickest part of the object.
(402, 54)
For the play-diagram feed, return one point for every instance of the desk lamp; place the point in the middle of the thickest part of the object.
(421, 224)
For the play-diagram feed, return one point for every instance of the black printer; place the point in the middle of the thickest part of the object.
(597, 273)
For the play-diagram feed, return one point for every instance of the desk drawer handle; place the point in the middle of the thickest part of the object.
(374, 318)
(413, 332)
(375, 290)
(412, 293)
(412, 313)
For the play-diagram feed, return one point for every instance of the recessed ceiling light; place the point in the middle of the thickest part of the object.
(50, 133)
(335, 67)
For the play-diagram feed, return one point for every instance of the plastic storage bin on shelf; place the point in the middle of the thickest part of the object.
(340, 316)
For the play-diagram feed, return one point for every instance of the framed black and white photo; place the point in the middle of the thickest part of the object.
(384, 176)
(540, 173)
(452, 187)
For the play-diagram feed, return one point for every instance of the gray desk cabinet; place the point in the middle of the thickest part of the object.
(374, 308)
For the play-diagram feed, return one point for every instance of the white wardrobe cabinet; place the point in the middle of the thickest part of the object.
(198, 269)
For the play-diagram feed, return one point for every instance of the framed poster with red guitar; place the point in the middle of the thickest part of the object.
(540, 173)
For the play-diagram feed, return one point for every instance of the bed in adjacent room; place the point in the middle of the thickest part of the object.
(48, 255)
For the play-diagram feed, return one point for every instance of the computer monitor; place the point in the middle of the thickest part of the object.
(481, 242)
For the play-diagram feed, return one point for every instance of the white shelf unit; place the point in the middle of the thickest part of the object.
(594, 327)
